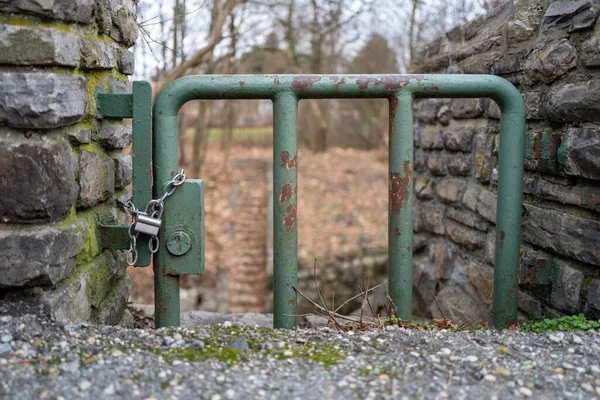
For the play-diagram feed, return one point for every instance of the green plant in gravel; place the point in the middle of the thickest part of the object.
(568, 323)
(216, 346)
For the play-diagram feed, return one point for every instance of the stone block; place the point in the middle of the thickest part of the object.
(525, 20)
(508, 64)
(570, 15)
(37, 179)
(432, 218)
(69, 302)
(97, 54)
(79, 135)
(478, 47)
(431, 138)
(35, 46)
(486, 205)
(96, 177)
(582, 152)
(66, 10)
(562, 233)
(40, 255)
(459, 139)
(426, 110)
(484, 162)
(580, 195)
(424, 187)
(493, 110)
(462, 235)
(530, 306)
(550, 62)
(420, 161)
(590, 52)
(573, 102)
(113, 136)
(42, 99)
(533, 104)
(124, 28)
(461, 304)
(592, 306)
(103, 272)
(490, 248)
(479, 64)
(566, 291)
(450, 190)
(104, 16)
(444, 115)
(470, 197)
(468, 218)
(436, 165)
(442, 254)
(423, 287)
(482, 278)
(111, 310)
(123, 170)
(126, 62)
(459, 165)
(467, 108)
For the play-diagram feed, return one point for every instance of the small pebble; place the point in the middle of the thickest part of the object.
(490, 378)
(525, 391)
(502, 371)
(84, 385)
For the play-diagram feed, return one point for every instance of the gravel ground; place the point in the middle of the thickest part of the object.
(41, 359)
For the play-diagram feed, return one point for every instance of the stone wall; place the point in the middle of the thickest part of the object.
(551, 51)
(62, 170)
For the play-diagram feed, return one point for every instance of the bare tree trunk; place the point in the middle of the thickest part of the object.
(412, 45)
(201, 131)
(229, 112)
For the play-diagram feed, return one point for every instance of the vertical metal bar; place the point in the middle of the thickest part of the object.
(142, 156)
(285, 203)
(400, 246)
(508, 213)
(165, 146)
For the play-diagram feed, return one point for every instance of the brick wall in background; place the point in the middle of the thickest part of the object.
(551, 51)
(62, 170)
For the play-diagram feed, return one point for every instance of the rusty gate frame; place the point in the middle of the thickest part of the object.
(285, 91)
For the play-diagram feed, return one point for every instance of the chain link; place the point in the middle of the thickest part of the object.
(154, 209)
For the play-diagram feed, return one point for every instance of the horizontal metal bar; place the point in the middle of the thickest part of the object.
(115, 105)
(113, 237)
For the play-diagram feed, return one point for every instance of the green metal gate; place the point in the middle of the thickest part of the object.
(180, 239)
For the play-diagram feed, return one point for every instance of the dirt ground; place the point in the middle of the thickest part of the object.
(342, 208)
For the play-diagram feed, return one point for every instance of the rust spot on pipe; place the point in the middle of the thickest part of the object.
(363, 82)
(502, 236)
(394, 103)
(389, 82)
(396, 231)
(276, 81)
(286, 193)
(303, 82)
(400, 188)
(395, 82)
(286, 162)
(242, 83)
(290, 220)
(333, 78)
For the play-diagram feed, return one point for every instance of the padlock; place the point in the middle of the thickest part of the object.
(147, 225)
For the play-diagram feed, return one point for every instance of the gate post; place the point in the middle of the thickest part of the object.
(285, 206)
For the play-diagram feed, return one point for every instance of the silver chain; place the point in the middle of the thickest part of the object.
(154, 209)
